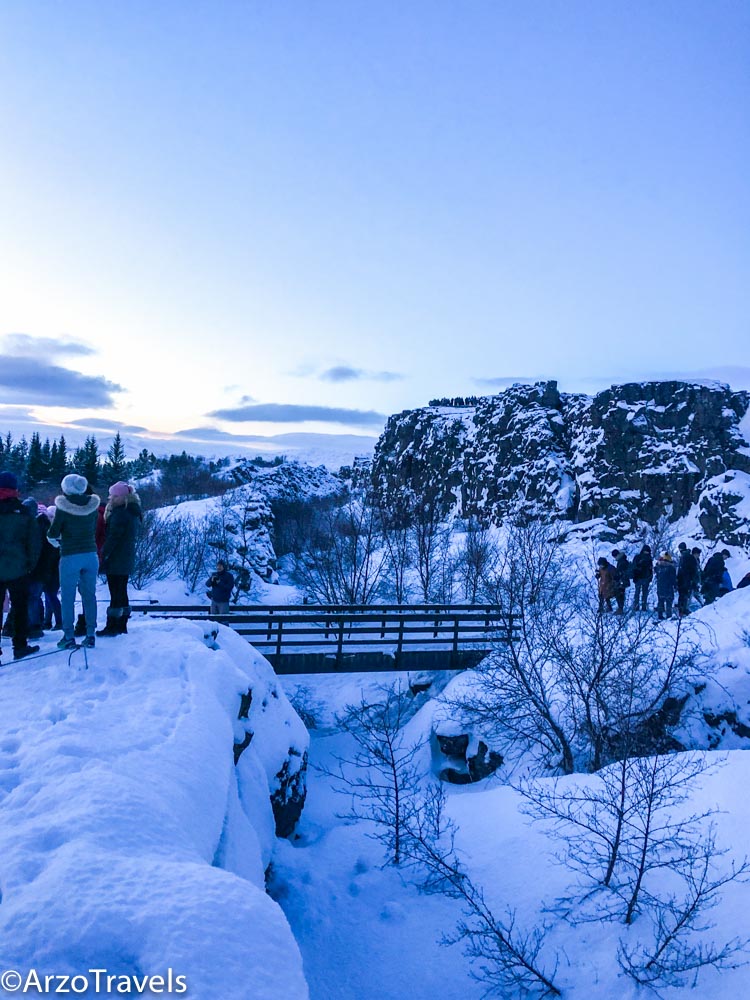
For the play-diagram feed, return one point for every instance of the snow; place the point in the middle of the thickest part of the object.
(129, 840)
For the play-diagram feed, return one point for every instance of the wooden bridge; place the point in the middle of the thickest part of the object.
(349, 638)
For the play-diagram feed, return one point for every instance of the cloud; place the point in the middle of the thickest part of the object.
(103, 424)
(35, 382)
(210, 434)
(503, 381)
(345, 373)
(292, 413)
(24, 345)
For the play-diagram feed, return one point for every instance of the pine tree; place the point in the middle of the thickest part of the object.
(61, 465)
(86, 460)
(36, 472)
(115, 467)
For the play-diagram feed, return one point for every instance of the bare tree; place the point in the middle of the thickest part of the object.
(380, 777)
(154, 549)
(477, 559)
(396, 526)
(346, 562)
(565, 682)
(505, 958)
(428, 534)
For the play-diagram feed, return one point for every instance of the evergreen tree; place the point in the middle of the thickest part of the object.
(60, 465)
(86, 460)
(115, 468)
(36, 471)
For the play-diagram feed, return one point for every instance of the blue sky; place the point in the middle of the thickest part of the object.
(278, 217)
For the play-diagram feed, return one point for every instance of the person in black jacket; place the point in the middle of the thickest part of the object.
(19, 551)
(713, 575)
(688, 578)
(622, 578)
(122, 522)
(643, 574)
(220, 585)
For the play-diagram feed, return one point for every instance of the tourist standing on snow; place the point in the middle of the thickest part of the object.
(19, 551)
(713, 575)
(220, 585)
(622, 578)
(605, 575)
(50, 561)
(123, 517)
(74, 529)
(643, 574)
(36, 577)
(666, 581)
(688, 578)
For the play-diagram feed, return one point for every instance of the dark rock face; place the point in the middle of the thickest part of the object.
(460, 767)
(288, 800)
(636, 452)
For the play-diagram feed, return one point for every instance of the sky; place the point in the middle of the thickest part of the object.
(229, 220)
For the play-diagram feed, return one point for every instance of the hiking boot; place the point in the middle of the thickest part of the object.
(27, 650)
(124, 621)
(66, 644)
(36, 633)
(80, 630)
(89, 642)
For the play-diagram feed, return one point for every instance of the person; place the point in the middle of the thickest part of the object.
(80, 628)
(744, 582)
(622, 578)
(713, 575)
(73, 528)
(605, 574)
(666, 580)
(220, 585)
(122, 521)
(688, 579)
(50, 559)
(643, 574)
(36, 582)
(19, 551)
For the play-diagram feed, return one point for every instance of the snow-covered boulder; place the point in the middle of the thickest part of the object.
(130, 841)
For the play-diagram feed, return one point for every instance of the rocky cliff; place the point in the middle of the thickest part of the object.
(633, 453)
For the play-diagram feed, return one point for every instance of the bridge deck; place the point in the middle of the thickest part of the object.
(354, 638)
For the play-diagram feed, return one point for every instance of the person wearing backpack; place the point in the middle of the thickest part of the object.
(666, 581)
(20, 545)
(688, 578)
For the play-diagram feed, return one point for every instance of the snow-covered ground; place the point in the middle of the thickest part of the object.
(129, 840)
(366, 933)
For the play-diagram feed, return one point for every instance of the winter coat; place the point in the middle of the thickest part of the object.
(726, 583)
(19, 540)
(744, 582)
(688, 573)
(101, 531)
(606, 577)
(220, 586)
(643, 567)
(123, 524)
(74, 524)
(666, 578)
(47, 569)
(713, 571)
(622, 572)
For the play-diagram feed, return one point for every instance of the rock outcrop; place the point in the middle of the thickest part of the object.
(633, 453)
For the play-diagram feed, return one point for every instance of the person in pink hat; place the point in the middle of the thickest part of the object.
(122, 520)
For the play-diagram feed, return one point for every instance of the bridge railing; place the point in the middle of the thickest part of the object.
(305, 627)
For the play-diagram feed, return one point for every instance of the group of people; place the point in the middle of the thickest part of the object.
(46, 551)
(682, 578)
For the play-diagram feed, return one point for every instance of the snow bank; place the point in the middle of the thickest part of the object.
(129, 841)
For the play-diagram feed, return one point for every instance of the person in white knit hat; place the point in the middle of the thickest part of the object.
(74, 529)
